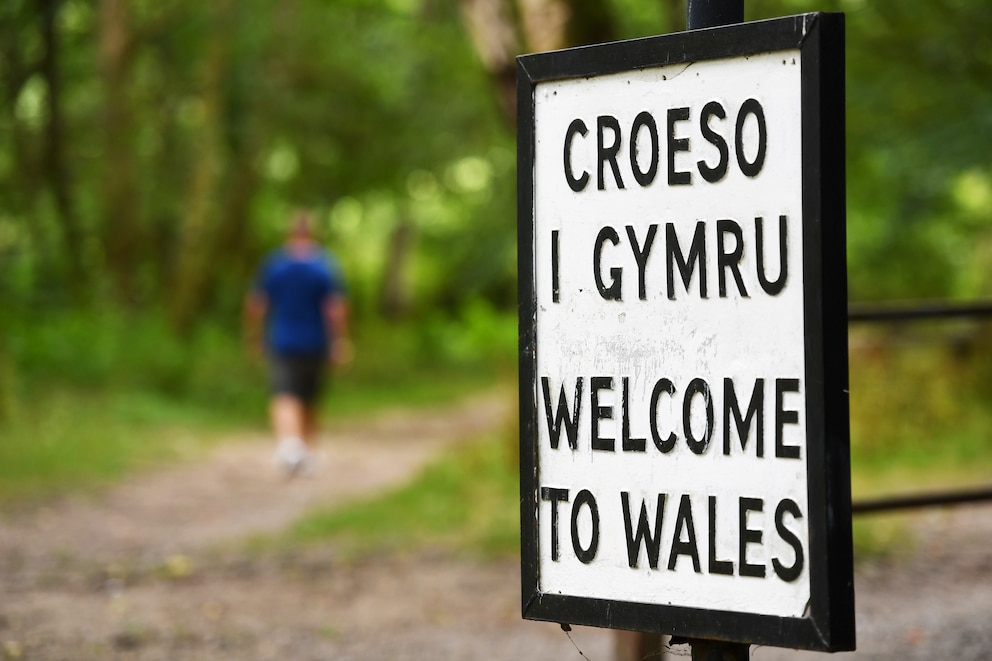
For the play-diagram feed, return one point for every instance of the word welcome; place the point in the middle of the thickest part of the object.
(665, 434)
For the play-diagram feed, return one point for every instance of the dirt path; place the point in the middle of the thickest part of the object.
(154, 569)
(236, 492)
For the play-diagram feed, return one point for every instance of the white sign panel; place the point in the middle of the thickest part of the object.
(658, 325)
(673, 392)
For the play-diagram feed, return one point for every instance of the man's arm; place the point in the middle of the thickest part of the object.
(339, 351)
(256, 305)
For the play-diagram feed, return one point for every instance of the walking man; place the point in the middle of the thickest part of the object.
(297, 310)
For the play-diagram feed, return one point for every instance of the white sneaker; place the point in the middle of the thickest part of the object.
(291, 456)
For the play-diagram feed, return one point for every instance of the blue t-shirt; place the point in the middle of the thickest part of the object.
(297, 288)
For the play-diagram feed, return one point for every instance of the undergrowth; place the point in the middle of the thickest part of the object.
(86, 398)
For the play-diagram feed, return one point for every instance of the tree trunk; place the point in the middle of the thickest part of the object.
(16, 73)
(590, 23)
(121, 231)
(499, 34)
(492, 28)
(545, 24)
(54, 154)
(231, 244)
(201, 207)
(395, 302)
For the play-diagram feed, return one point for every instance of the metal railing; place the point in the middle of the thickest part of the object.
(859, 313)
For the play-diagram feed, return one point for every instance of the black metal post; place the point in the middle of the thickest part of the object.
(714, 650)
(708, 14)
(711, 13)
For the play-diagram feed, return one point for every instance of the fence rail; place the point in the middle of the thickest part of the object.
(860, 313)
(912, 501)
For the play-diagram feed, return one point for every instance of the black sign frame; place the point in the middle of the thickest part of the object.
(829, 621)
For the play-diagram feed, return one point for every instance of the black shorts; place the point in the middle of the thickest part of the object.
(300, 375)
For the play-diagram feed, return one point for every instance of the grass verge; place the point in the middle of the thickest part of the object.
(467, 502)
(70, 439)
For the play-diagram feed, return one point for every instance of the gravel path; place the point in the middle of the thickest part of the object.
(933, 601)
(154, 569)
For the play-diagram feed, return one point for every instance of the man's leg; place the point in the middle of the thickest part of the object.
(311, 384)
(289, 424)
(296, 384)
(288, 416)
(309, 427)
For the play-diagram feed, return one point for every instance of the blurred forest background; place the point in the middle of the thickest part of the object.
(150, 153)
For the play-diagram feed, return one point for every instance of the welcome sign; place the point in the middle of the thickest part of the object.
(684, 435)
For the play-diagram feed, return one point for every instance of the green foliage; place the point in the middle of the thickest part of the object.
(87, 398)
(459, 246)
(919, 402)
(150, 153)
(426, 362)
(480, 334)
(130, 352)
(468, 502)
(919, 130)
